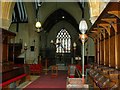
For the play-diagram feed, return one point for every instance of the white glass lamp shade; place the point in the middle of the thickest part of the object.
(83, 26)
(51, 41)
(25, 45)
(38, 24)
(74, 44)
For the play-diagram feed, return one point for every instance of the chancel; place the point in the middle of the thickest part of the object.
(54, 44)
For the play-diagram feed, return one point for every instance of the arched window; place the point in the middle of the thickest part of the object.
(63, 42)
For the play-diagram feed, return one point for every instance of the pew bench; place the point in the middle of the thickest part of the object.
(99, 81)
(35, 68)
(13, 77)
(16, 80)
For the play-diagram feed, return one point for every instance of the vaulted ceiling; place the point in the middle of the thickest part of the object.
(57, 13)
(73, 8)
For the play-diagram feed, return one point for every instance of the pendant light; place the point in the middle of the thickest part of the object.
(38, 23)
(83, 24)
(38, 26)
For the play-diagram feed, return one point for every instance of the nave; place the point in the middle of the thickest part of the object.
(77, 44)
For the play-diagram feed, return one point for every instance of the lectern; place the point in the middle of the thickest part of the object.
(54, 69)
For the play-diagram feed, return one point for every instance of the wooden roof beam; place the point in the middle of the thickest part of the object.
(116, 13)
(112, 22)
(106, 27)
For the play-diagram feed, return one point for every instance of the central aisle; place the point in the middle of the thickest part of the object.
(46, 81)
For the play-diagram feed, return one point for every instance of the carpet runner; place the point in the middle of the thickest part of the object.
(46, 81)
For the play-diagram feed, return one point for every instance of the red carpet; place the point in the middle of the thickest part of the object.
(46, 81)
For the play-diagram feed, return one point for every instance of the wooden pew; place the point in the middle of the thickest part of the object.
(100, 81)
(15, 76)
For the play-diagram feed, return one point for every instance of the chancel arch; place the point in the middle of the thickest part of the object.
(73, 37)
(61, 20)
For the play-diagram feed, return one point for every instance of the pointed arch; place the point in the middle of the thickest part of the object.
(56, 17)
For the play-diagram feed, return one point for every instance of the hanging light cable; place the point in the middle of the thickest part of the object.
(38, 23)
(83, 24)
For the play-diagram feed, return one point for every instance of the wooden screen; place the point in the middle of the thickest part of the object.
(112, 51)
(96, 52)
(102, 52)
(0, 52)
(5, 50)
(118, 51)
(107, 52)
(5, 36)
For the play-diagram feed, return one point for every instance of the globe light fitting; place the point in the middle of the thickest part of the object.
(74, 44)
(83, 26)
(38, 24)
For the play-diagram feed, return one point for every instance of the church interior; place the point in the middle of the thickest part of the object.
(60, 44)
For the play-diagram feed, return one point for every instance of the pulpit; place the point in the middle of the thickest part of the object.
(54, 69)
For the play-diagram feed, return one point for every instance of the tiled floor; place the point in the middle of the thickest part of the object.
(33, 78)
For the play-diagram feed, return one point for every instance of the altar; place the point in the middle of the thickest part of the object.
(74, 83)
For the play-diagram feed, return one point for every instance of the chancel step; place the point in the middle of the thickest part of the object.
(61, 67)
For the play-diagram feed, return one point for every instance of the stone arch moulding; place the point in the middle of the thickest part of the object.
(7, 8)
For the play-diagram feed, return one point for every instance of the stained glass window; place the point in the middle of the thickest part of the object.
(63, 42)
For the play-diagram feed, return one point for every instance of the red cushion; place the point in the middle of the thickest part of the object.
(35, 67)
(71, 76)
(79, 67)
(12, 80)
